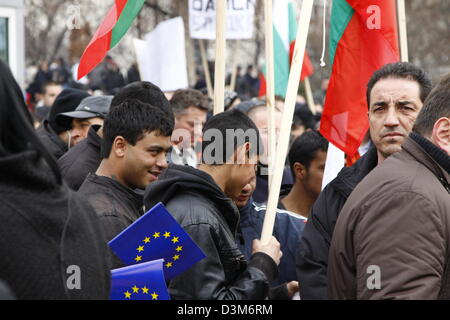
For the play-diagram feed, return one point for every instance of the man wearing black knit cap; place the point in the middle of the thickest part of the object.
(59, 138)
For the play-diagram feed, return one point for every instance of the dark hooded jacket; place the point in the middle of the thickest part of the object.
(211, 219)
(51, 140)
(312, 253)
(82, 159)
(45, 227)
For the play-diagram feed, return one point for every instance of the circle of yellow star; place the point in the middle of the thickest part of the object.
(127, 295)
(156, 235)
(175, 239)
(166, 235)
(154, 296)
(135, 289)
(138, 258)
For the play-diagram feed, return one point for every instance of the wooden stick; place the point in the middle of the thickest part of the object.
(288, 113)
(270, 87)
(206, 68)
(219, 76)
(234, 65)
(309, 96)
(401, 18)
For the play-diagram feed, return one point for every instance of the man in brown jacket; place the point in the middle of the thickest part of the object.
(392, 237)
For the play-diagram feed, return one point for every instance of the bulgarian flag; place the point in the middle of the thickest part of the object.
(113, 28)
(284, 34)
(363, 38)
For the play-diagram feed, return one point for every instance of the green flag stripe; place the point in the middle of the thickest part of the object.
(281, 64)
(126, 18)
(292, 23)
(341, 14)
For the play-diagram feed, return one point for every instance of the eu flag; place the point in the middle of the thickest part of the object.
(157, 235)
(144, 281)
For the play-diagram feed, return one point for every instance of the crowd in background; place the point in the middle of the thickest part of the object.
(81, 161)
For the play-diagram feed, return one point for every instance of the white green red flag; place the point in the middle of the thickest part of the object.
(113, 28)
(363, 38)
(284, 34)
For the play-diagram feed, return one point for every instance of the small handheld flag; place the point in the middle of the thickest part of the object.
(144, 281)
(113, 28)
(157, 235)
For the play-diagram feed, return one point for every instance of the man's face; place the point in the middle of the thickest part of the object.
(259, 117)
(394, 106)
(241, 174)
(145, 160)
(193, 119)
(314, 174)
(80, 128)
(246, 193)
(50, 94)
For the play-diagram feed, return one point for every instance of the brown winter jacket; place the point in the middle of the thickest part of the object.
(395, 225)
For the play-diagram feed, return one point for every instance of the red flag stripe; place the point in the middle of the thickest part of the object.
(96, 50)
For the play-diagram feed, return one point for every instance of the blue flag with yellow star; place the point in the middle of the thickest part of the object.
(157, 235)
(143, 281)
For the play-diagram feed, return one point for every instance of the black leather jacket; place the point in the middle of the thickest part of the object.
(211, 219)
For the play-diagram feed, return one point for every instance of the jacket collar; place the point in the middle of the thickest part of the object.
(93, 138)
(177, 179)
(349, 177)
(135, 199)
(413, 145)
(53, 136)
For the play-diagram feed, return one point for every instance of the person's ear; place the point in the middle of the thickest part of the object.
(119, 147)
(300, 171)
(441, 134)
(242, 154)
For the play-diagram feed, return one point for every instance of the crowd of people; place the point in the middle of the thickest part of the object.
(78, 167)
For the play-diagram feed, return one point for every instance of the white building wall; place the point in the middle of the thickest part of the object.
(13, 10)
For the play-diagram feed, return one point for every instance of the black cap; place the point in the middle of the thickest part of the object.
(68, 100)
(90, 107)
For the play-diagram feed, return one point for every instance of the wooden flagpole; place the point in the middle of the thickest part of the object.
(270, 87)
(401, 19)
(309, 95)
(219, 76)
(288, 113)
(206, 68)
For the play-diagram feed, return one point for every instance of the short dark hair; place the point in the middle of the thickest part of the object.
(183, 99)
(401, 70)
(436, 106)
(47, 84)
(145, 92)
(304, 148)
(131, 120)
(240, 124)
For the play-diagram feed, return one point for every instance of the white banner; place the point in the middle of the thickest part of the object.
(333, 165)
(161, 56)
(240, 19)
